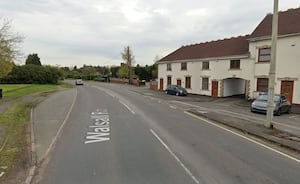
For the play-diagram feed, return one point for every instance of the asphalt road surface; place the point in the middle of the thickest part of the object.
(116, 136)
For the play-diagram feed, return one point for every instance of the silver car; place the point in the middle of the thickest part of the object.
(78, 82)
(282, 105)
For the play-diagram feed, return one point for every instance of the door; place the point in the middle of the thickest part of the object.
(161, 84)
(169, 80)
(214, 90)
(287, 88)
(179, 82)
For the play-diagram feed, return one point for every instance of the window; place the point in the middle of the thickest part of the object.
(205, 83)
(183, 66)
(235, 64)
(169, 67)
(205, 65)
(169, 80)
(264, 55)
(188, 82)
(262, 84)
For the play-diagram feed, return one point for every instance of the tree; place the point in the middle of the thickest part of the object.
(33, 59)
(9, 42)
(89, 72)
(5, 68)
(123, 71)
(33, 74)
(9, 47)
(128, 57)
(114, 71)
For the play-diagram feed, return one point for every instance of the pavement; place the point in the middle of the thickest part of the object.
(48, 118)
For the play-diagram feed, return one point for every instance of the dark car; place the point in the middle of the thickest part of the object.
(282, 105)
(176, 90)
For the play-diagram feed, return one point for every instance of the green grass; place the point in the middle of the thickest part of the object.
(14, 122)
(65, 85)
(13, 91)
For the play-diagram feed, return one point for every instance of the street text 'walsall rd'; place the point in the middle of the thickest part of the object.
(100, 129)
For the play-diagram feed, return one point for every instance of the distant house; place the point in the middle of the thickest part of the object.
(239, 65)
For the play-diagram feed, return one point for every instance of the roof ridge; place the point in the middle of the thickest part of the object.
(218, 40)
(284, 11)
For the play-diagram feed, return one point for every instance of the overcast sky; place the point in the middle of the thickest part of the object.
(94, 32)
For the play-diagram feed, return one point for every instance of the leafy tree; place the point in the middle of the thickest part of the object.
(89, 72)
(114, 71)
(128, 57)
(154, 71)
(9, 42)
(33, 59)
(123, 71)
(33, 74)
(5, 68)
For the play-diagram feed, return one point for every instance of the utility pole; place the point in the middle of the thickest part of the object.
(272, 70)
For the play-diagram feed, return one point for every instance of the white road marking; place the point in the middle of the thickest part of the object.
(191, 105)
(127, 107)
(176, 158)
(173, 107)
(1, 174)
(293, 116)
(244, 137)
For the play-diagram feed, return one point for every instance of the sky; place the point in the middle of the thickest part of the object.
(95, 32)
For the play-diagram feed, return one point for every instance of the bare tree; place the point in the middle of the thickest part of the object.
(128, 57)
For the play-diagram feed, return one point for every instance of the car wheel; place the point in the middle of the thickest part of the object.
(278, 112)
(166, 92)
(177, 94)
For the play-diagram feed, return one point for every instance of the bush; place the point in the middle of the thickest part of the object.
(33, 74)
(100, 79)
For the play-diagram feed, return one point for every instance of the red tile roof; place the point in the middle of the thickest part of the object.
(288, 23)
(220, 48)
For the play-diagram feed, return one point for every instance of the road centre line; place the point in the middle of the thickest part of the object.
(176, 158)
(127, 107)
(173, 107)
(244, 137)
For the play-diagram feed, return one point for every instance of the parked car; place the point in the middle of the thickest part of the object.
(282, 105)
(176, 90)
(78, 82)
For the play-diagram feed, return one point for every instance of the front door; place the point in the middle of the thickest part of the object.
(287, 88)
(179, 82)
(161, 84)
(214, 90)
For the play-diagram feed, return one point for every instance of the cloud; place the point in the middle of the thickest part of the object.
(77, 32)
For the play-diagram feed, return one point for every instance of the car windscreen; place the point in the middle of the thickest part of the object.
(265, 98)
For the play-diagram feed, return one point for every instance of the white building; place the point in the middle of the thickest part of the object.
(239, 65)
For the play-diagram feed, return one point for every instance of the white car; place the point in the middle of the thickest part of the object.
(78, 82)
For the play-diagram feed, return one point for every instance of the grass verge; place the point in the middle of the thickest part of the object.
(12, 91)
(14, 121)
(65, 85)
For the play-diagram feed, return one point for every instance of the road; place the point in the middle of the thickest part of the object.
(114, 136)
